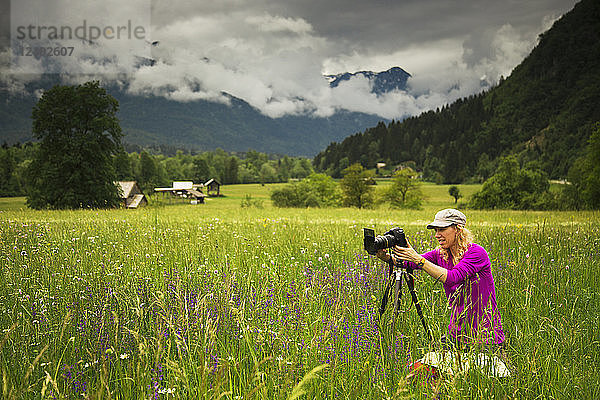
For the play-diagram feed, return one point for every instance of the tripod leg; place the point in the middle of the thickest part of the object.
(384, 300)
(411, 288)
(397, 291)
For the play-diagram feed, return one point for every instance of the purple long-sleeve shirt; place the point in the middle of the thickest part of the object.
(470, 283)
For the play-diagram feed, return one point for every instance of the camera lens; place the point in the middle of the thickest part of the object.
(391, 238)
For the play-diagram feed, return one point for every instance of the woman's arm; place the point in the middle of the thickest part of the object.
(409, 254)
(473, 262)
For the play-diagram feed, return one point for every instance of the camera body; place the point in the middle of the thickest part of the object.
(391, 238)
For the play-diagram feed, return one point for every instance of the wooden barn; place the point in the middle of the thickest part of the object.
(213, 186)
(131, 195)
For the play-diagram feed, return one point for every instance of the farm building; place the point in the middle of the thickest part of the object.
(184, 190)
(213, 185)
(131, 195)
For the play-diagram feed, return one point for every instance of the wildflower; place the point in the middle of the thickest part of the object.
(124, 356)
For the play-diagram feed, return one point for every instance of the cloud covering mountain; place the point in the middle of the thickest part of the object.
(274, 54)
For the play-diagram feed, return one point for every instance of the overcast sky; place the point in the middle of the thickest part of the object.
(273, 54)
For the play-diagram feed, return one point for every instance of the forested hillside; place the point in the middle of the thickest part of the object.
(544, 111)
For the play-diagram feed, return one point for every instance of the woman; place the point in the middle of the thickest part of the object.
(465, 270)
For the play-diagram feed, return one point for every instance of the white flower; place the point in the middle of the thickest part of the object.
(124, 356)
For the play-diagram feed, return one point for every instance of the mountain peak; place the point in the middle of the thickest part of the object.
(386, 81)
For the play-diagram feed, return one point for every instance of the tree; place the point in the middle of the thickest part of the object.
(79, 133)
(9, 185)
(583, 190)
(301, 169)
(485, 167)
(317, 190)
(216, 160)
(201, 170)
(284, 168)
(513, 187)
(174, 168)
(247, 173)
(123, 167)
(256, 159)
(454, 191)
(405, 189)
(432, 167)
(290, 195)
(230, 174)
(268, 174)
(356, 192)
(148, 178)
(324, 188)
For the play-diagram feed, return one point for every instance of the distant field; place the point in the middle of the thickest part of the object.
(217, 301)
(12, 203)
(435, 196)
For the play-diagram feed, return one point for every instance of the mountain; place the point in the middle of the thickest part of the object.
(393, 79)
(543, 112)
(204, 125)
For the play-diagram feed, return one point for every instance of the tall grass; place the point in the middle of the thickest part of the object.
(228, 302)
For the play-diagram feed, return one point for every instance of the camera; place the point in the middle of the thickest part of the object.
(393, 237)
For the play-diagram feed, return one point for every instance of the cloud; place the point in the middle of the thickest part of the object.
(273, 54)
(282, 74)
(272, 62)
(269, 23)
(79, 40)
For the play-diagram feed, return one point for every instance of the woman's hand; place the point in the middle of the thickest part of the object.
(383, 255)
(406, 253)
(409, 254)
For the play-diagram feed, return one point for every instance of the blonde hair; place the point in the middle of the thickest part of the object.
(464, 239)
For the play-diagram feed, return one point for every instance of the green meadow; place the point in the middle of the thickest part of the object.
(220, 301)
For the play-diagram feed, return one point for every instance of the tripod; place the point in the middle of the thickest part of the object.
(396, 281)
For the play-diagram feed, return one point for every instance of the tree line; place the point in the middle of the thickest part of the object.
(152, 170)
(156, 170)
(355, 189)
